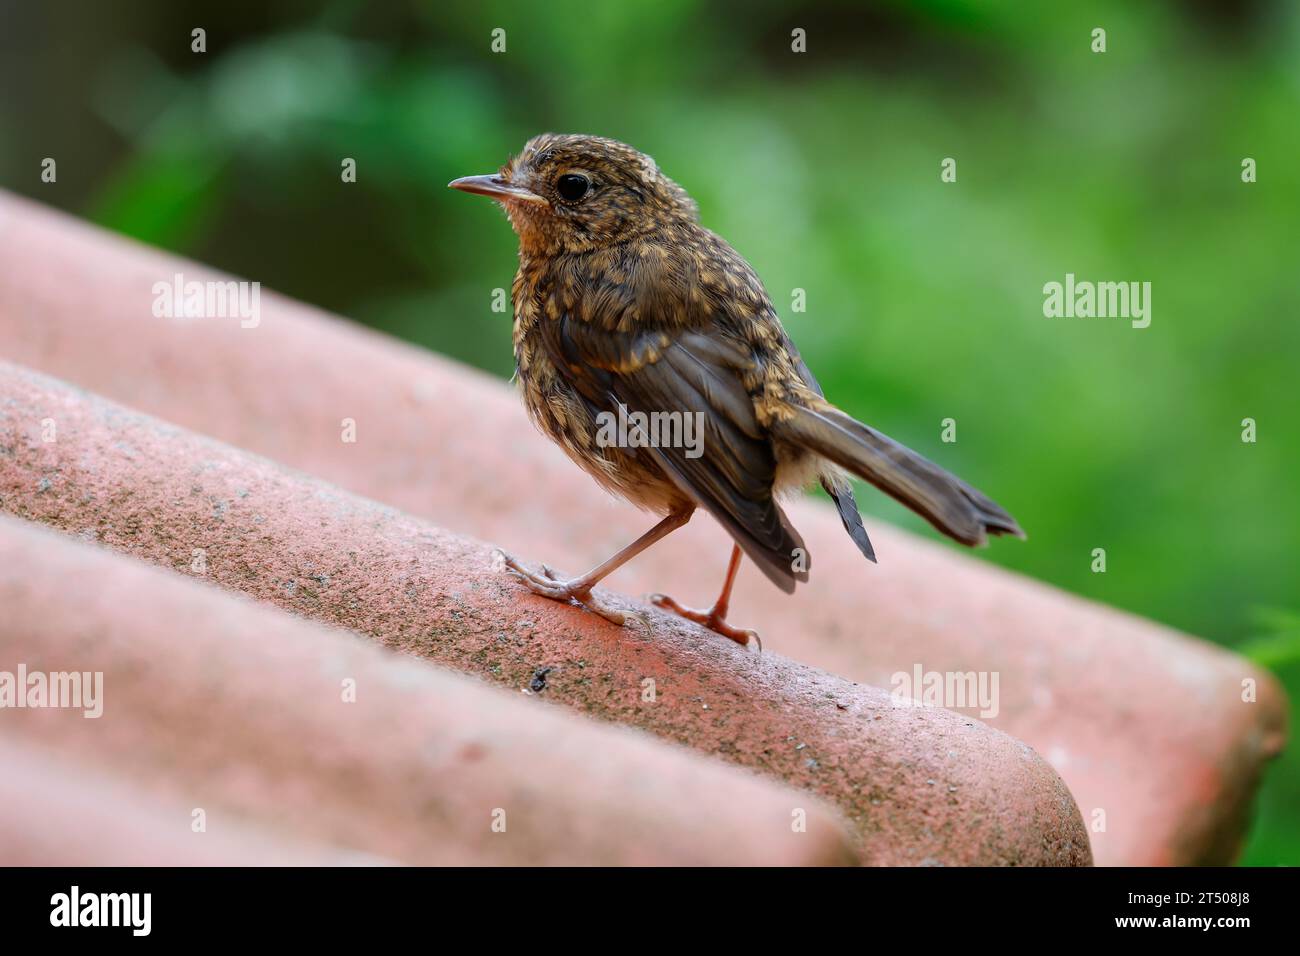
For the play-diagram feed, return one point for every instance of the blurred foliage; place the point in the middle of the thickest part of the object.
(924, 298)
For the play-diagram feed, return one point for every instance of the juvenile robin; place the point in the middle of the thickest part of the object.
(625, 304)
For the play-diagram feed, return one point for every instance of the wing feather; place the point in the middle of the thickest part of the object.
(653, 370)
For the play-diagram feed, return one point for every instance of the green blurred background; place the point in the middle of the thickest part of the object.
(924, 298)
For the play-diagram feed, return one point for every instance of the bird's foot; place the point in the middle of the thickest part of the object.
(711, 619)
(547, 584)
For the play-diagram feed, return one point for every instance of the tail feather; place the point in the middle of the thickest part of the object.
(947, 502)
(841, 493)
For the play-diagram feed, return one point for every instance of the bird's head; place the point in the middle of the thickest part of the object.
(567, 193)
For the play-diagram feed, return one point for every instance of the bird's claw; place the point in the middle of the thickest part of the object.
(547, 584)
(711, 619)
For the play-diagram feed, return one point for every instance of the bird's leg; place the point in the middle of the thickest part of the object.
(579, 588)
(715, 619)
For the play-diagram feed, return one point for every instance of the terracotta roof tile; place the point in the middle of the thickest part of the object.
(916, 785)
(305, 744)
(1147, 726)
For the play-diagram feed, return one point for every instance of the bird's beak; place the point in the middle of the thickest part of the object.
(494, 187)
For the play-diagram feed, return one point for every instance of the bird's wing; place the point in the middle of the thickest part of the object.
(652, 370)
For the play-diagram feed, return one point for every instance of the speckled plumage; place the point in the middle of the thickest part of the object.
(623, 298)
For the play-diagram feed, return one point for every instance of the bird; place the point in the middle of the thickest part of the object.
(627, 309)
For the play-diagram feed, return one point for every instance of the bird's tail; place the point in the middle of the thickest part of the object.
(943, 499)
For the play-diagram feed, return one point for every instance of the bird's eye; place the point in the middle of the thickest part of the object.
(572, 187)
